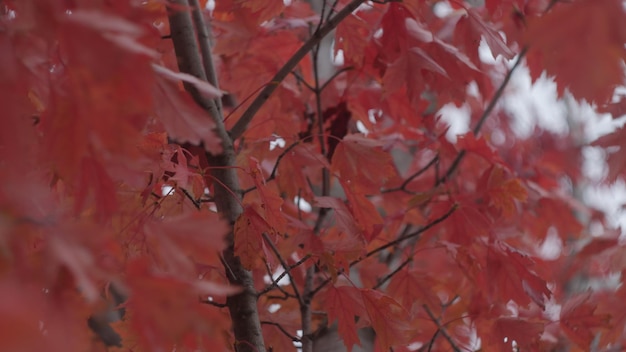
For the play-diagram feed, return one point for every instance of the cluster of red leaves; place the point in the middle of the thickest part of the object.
(420, 237)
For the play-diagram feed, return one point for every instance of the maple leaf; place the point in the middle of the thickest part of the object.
(503, 192)
(249, 230)
(578, 320)
(365, 214)
(362, 164)
(198, 235)
(508, 329)
(413, 287)
(184, 120)
(351, 37)
(344, 303)
(582, 46)
(301, 162)
(510, 278)
(270, 201)
(387, 317)
(471, 28)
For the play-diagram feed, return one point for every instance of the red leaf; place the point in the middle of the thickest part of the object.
(249, 230)
(582, 46)
(579, 321)
(183, 119)
(362, 164)
(343, 304)
(508, 277)
(388, 318)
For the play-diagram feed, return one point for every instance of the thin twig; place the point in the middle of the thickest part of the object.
(334, 75)
(280, 157)
(407, 236)
(419, 172)
(240, 126)
(212, 303)
(301, 80)
(188, 195)
(271, 275)
(441, 328)
(284, 264)
(492, 104)
(282, 275)
(280, 327)
(391, 274)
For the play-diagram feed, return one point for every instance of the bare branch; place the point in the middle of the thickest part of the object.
(384, 279)
(280, 327)
(285, 266)
(407, 236)
(282, 275)
(441, 329)
(492, 104)
(240, 126)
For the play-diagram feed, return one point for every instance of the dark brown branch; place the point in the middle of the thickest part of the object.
(204, 40)
(240, 126)
(407, 236)
(186, 48)
(441, 329)
(283, 274)
(492, 104)
(384, 279)
(196, 203)
(285, 266)
(286, 294)
(301, 80)
(419, 172)
(334, 75)
(280, 157)
(227, 193)
(212, 303)
(280, 327)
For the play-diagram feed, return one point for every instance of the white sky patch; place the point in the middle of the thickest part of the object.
(210, 5)
(302, 204)
(284, 281)
(609, 199)
(167, 190)
(552, 246)
(278, 142)
(361, 128)
(457, 118)
(273, 308)
(338, 60)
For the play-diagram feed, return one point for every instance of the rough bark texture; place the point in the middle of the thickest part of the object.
(227, 194)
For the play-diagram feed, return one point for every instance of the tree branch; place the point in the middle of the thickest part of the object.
(227, 193)
(285, 266)
(280, 327)
(240, 126)
(492, 104)
(407, 236)
(441, 329)
(282, 275)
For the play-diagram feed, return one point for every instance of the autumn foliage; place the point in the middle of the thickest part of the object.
(177, 179)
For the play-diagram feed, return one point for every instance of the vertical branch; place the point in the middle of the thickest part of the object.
(241, 125)
(227, 193)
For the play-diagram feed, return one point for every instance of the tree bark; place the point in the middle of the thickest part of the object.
(227, 193)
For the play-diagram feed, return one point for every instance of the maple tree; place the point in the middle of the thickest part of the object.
(179, 178)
